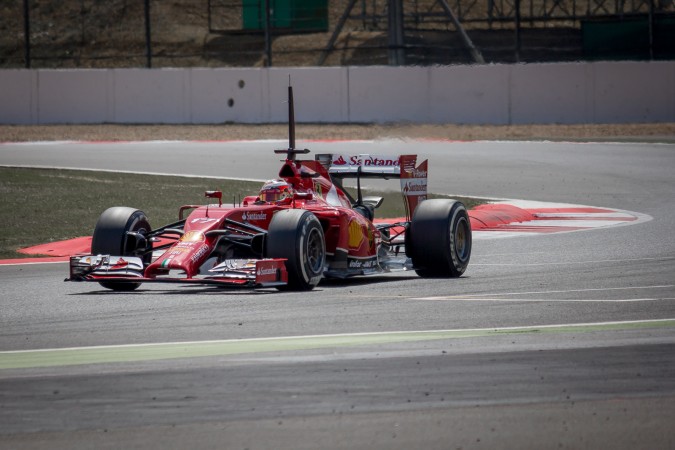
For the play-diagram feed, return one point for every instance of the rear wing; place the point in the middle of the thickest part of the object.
(413, 178)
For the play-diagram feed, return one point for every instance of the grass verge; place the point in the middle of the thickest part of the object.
(39, 206)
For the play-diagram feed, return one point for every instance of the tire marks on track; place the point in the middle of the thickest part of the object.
(60, 357)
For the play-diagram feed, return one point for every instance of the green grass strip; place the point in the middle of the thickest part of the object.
(39, 206)
(25, 359)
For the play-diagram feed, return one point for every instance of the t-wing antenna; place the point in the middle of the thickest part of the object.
(291, 151)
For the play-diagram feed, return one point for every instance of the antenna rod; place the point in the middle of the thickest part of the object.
(291, 151)
(291, 119)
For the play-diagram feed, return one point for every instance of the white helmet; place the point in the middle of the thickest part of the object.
(275, 191)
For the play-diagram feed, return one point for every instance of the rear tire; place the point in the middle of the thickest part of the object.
(297, 236)
(439, 239)
(110, 238)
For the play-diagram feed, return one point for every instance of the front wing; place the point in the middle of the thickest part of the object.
(246, 273)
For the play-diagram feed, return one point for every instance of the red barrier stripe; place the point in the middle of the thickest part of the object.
(488, 217)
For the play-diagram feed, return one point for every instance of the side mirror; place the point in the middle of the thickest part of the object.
(215, 194)
(373, 201)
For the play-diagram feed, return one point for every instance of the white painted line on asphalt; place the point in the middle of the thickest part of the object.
(565, 223)
(566, 263)
(494, 296)
(623, 288)
(29, 263)
(131, 172)
(538, 300)
(489, 235)
(581, 216)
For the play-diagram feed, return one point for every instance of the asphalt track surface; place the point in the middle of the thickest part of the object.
(548, 341)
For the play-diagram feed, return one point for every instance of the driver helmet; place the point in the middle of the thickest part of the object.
(275, 191)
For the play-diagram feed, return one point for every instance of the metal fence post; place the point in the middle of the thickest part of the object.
(516, 7)
(651, 30)
(268, 36)
(148, 42)
(396, 38)
(26, 32)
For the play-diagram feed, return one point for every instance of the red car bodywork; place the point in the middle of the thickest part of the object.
(351, 239)
(316, 231)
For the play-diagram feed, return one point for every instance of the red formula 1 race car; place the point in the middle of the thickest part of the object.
(301, 227)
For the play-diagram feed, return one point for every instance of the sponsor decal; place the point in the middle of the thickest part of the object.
(252, 216)
(362, 264)
(355, 234)
(193, 236)
(408, 162)
(415, 187)
(266, 271)
(184, 246)
(318, 190)
(180, 248)
(339, 161)
(203, 220)
(413, 184)
(366, 161)
(199, 253)
(419, 172)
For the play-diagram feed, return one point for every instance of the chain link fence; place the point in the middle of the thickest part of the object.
(251, 33)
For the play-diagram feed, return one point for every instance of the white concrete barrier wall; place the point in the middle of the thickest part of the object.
(602, 92)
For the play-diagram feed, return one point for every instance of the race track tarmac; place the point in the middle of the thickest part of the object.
(549, 341)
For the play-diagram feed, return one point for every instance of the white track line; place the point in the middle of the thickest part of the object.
(495, 296)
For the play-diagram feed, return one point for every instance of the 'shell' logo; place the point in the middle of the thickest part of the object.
(193, 236)
(355, 234)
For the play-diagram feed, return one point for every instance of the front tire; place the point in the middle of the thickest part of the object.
(439, 239)
(110, 238)
(297, 236)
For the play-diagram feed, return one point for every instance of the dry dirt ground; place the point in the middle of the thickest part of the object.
(661, 132)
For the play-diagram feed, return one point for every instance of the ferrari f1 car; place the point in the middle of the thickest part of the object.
(301, 227)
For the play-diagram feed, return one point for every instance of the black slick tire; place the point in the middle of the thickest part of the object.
(439, 239)
(297, 236)
(110, 238)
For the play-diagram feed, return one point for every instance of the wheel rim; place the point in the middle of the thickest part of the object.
(462, 239)
(315, 251)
